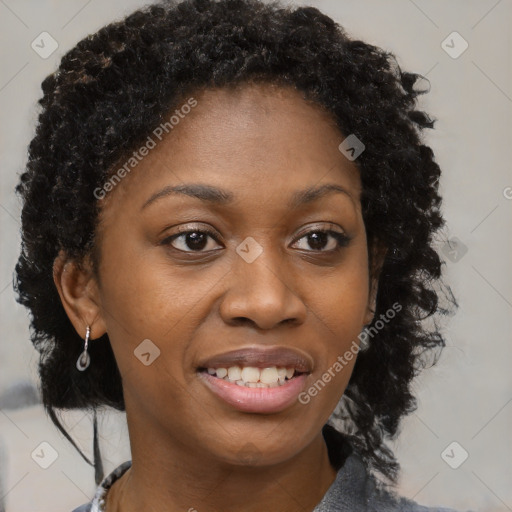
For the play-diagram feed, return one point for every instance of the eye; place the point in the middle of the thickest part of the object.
(319, 238)
(194, 239)
(198, 240)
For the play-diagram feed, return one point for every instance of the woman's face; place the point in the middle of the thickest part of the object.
(255, 272)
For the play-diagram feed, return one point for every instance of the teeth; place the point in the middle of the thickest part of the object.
(221, 372)
(281, 372)
(249, 374)
(269, 375)
(235, 373)
(252, 377)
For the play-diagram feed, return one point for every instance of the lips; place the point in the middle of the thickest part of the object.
(263, 380)
(261, 357)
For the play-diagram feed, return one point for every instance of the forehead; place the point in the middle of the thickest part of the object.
(255, 139)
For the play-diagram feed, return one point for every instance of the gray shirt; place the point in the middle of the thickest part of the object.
(353, 490)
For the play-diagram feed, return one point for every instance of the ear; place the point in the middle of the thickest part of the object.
(79, 294)
(377, 261)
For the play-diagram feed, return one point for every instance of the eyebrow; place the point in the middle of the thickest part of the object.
(214, 195)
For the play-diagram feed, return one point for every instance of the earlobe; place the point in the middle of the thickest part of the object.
(79, 295)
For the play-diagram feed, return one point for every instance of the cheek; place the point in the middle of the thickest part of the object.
(340, 298)
(340, 305)
(145, 297)
(141, 286)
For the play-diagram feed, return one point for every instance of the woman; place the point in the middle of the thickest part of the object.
(227, 232)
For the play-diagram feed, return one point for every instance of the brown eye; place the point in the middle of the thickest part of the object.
(193, 240)
(319, 239)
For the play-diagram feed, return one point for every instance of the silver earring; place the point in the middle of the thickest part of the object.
(84, 360)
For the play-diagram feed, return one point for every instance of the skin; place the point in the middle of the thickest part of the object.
(191, 450)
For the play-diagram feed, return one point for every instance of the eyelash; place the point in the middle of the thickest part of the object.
(342, 240)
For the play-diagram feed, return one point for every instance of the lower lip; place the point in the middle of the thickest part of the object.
(256, 400)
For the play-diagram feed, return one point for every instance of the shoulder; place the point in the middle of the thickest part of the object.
(356, 490)
(83, 508)
(379, 498)
(382, 499)
(97, 503)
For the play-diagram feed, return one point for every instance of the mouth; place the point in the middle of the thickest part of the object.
(254, 377)
(257, 380)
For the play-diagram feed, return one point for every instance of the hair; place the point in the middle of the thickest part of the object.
(117, 85)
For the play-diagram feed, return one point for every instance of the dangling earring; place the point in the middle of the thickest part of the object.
(84, 360)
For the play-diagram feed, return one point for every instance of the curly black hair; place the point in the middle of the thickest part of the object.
(117, 85)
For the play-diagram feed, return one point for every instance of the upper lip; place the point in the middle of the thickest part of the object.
(261, 357)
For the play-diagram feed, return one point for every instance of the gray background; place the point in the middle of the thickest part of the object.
(466, 398)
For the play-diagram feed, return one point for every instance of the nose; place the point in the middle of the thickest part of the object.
(263, 293)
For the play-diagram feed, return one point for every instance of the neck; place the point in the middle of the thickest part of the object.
(170, 478)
